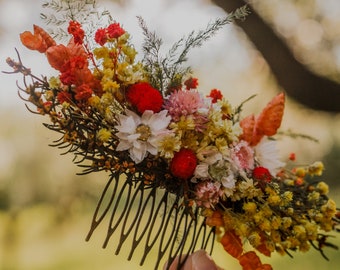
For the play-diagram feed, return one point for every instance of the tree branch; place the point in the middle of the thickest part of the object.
(300, 83)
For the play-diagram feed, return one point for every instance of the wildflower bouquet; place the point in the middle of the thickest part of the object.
(185, 169)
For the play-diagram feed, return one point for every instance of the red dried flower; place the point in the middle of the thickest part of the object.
(76, 31)
(114, 30)
(292, 156)
(262, 174)
(67, 77)
(100, 36)
(183, 164)
(215, 94)
(191, 83)
(144, 97)
(83, 92)
(64, 97)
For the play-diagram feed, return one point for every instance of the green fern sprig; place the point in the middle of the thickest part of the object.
(167, 72)
(86, 12)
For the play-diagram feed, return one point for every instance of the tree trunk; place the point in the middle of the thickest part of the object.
(301, 84)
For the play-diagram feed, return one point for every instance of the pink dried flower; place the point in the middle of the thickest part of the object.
(185, 103)
(243, 156)
(208, 193)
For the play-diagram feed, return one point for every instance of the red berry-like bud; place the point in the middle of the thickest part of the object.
(183, 164)
(262, 174)
(144, 97)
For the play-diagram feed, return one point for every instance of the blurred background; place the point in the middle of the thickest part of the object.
(46, 210)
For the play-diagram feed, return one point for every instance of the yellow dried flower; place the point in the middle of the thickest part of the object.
(304, 246)
(270, 245)
(286, 222)
(103, 135)
(322, 187)
(243, 229)
(250, 207)
(276, 222)
(289, 182)
(274, 199)
(316, 168)
(286, 244)
(54, 82)
(311, 230)
(329, 209)
(254, 239)
(313, 196)
(290, 211)
(94, 101)
(300, 171)
(299, 231)
(168, 145)
(286, 198)
(49, 95)
(275, 236)
(101, 52)
(258, 217)
(110, 86)
(265, 225)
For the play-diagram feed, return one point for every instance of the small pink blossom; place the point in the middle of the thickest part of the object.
(243, 156)
(188, 103)
(208, 193)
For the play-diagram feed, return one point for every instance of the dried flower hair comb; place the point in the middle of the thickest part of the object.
(184, 170)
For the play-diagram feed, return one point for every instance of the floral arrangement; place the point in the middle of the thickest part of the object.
(175, 153)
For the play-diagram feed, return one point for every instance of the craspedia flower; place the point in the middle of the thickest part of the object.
(144, 97)
(183, 164)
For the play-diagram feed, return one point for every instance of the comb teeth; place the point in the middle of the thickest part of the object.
(143, 218)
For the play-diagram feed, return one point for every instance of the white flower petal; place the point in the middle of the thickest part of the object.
(268, 156)
(147, 115)
(127, 124)
(123, 145)
(138, 153)
(159, 121)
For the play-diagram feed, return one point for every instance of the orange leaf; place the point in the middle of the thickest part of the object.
(247, 124)
(40, 40)
(232, 243)
(250, 261)
(215, 219)
(265, 267)
(268, 122)
(58, 56)
(45, 36)
(263, 247)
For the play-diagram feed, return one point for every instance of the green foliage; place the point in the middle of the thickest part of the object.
(167, 72)
(86, 12)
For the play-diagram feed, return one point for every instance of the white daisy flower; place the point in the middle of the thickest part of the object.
(141, 135)
(267, 155)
